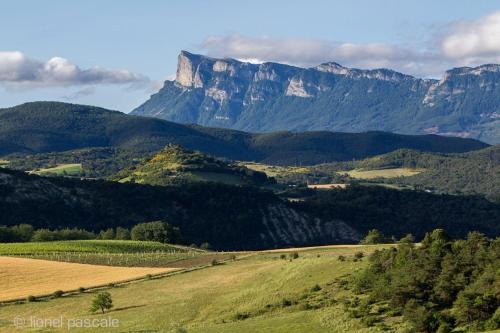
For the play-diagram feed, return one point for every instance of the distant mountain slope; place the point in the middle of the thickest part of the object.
(42, 127)
(476, 172)
(52, 126)
(176, 165)
(271, 96)
(239, 217)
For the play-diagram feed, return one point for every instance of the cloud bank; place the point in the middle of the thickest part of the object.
(19, 71)
(464, 43)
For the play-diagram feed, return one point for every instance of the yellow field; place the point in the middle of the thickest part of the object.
(327, 186)
(383, 173)
(60, 169)
(20, 277)
(273, 170)
(3, 162)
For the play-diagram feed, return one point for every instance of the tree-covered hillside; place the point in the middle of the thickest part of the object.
(239, 217)
(43, 127)
(475, 172)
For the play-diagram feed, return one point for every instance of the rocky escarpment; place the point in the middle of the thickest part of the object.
(228, 217)
(271, 96)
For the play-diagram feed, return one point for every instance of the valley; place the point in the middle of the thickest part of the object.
(250, 167)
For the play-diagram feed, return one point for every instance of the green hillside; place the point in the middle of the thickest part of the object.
(475, 172)
(176, 165)
(105, 141)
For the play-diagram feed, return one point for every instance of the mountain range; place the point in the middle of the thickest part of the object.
(43, 127)
(272, 97)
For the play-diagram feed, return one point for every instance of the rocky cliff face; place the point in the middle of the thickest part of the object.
(255, 223)
(270, 96)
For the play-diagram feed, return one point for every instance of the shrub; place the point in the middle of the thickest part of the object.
(122, 233)
(286, 302)
(241, 315)
(316, 288)
(31, 298)
(81, 289)
(57, 293)
(283, 256)
(374, 237)
(341, 258)
(205, 246)
(215, 262)
(359, 255)
(294, 255)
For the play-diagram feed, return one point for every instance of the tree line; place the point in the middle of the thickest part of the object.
(157, 231)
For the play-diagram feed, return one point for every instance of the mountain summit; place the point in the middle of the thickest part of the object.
(272, 96)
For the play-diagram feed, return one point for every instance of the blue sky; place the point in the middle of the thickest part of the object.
(50, 49)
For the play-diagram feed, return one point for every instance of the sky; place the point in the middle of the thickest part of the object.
(116, 53)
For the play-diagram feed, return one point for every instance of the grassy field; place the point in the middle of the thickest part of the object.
(114, 253)
(259, 292)
(60, 170)
(383, 173)
(273, 170)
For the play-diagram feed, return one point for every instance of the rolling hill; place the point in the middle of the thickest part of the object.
(67, 133)
(176, 165)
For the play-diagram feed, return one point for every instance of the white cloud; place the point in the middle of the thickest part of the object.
(18, 71)
(470, 43)
(473, 41)
(312, 52)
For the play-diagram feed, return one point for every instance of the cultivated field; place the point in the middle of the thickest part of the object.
(274, 170)
(20, 277)
(62, 169)
(113, 253)
(383, 173)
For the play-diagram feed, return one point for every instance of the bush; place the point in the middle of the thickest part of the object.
(294, 255)
(57, 294)
(122, 234)
(286, 302)
(215, 262)
(341, 258)
(17, 233)
(31, 298)
(107, 234)
(81, 290)
(374, 237)
(205, 246)
(46, 235)
(359, 255)
(282, 256)
(316, 288)
(241, 315)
